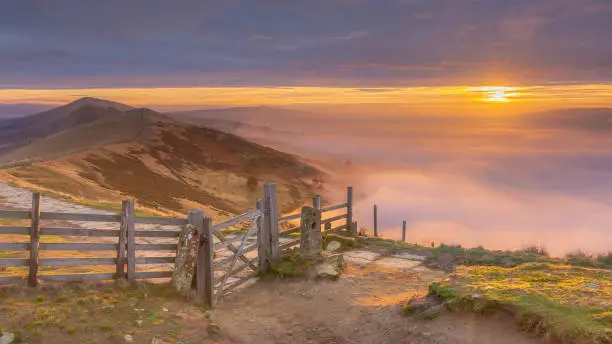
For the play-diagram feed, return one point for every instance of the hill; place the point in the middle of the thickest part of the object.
(92, 149)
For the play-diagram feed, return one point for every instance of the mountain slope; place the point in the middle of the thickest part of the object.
(18, 132)
(168, 166)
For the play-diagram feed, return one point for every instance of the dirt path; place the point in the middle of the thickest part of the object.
(363, 306)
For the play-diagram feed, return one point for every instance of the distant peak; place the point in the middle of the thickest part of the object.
(93, 101)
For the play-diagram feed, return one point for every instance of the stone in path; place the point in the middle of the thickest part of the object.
(361, 257)
(397, 263)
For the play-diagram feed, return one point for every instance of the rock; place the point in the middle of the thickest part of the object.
(7, 338)
(409, 256)
(164, 309)
(213, 328)
(128, 338)
(333, 246)
(186, 256)
(139, 323)
(420, 304)
(397, 263)
(330, 268)
(361, 257)
(157, 340)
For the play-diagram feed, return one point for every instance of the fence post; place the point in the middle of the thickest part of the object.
(34, 240)
(316, 202)
(204, 266)
(271, 214)
(120, 272)
(130, 229)
(349, 211)
(404, 231)
(375, 220)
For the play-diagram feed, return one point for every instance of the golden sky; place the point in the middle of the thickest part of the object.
(474, 97)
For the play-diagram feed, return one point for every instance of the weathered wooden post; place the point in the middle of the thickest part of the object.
(121, 256)
(311, 238)
(404, 231)
(131, 241)
(271, 214)
(375, 220)
(316, 202)
(204, 266)
(263, 239)
(349, 211)
(34, 240)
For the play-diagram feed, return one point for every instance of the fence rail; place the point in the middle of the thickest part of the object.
(125, 247)
(240, 264)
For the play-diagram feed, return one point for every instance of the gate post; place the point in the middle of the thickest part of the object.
(204, 266)
(267, 234)
(311, 241)
(263, 238)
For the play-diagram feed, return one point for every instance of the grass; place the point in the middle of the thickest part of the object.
(94, 313)
(568, 303)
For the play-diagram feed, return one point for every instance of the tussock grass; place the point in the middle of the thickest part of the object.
(569, 304)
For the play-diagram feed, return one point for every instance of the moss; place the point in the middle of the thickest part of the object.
(567, 302)
(290, 265)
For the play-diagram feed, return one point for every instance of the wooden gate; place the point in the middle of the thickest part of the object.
(235, 258)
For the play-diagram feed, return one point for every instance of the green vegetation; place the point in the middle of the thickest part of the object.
(291, 264)
(568, 303)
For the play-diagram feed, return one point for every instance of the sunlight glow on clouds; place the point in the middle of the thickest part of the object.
(522, 98)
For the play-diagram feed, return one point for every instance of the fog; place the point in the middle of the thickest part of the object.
(504, 182)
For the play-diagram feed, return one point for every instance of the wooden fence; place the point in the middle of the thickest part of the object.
(270, 240)
(244, 255)
(125, 248)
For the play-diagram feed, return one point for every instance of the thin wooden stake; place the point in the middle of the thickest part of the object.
(375, 220)
(131, 241)
(34, 240)
(404, 231)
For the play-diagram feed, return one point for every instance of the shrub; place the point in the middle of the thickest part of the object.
(537, 250)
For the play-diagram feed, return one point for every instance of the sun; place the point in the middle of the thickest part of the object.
(495, 94)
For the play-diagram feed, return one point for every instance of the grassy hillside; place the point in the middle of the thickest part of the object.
(167, 165)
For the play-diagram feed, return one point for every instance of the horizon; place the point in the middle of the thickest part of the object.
(356, 51)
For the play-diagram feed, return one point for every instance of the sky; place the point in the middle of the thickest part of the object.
(156, 45)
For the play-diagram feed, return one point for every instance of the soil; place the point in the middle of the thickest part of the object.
(363, 306)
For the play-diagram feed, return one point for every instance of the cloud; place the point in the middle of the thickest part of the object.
(307, 42)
